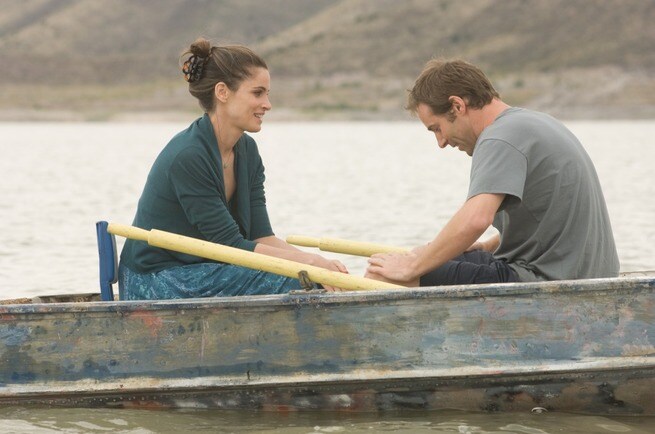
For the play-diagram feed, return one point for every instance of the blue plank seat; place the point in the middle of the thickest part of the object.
(108, 261)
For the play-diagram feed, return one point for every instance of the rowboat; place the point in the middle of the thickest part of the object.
(583, 346)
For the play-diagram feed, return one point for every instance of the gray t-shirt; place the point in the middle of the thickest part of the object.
(553, 222)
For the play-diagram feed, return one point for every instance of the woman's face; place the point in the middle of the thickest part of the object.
(245, 108)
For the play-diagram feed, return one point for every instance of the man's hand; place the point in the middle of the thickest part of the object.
(490, 245)
(396, 267)
(478, 245)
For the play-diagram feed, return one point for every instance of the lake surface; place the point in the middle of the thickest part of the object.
(384, 182)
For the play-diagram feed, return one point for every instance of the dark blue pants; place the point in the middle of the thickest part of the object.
(476, 266)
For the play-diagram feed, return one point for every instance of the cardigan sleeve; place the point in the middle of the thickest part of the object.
(261, 224)
(201, 196)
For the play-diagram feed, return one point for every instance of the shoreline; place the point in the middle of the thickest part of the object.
(581, 113)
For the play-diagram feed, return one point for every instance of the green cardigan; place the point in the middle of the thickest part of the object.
(185, 194)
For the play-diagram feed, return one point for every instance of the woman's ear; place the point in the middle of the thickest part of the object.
(221, 91)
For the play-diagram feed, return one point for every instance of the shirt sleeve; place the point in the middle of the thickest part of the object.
(497, 167)
(197, 188)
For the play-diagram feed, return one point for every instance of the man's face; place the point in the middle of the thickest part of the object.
(456, 133)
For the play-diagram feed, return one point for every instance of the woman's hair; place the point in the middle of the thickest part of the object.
(208, 65)
(441, 79)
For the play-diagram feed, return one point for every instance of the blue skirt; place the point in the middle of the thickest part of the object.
(207, 279)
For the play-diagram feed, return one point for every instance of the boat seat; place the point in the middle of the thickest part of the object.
(108, 260)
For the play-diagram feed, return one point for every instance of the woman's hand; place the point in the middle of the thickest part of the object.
(274, 246)
(328, 264)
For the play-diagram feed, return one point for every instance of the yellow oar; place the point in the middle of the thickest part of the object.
(338, 245)
(256, 261)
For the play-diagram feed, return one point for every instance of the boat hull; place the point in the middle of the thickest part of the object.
(584, 346)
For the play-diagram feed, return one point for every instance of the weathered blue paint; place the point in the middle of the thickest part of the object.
(578, 346)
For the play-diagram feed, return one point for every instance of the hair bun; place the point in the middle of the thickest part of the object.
(201, 47)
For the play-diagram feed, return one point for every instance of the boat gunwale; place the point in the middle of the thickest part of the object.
(300, 298)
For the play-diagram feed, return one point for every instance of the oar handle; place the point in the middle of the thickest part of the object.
(130, 232)
(256, 261)
(301, 240)
(338, 245)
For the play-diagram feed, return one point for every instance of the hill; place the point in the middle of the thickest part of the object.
(328, 58)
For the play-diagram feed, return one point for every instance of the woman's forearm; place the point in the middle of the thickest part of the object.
(274, 241)
(273, 246)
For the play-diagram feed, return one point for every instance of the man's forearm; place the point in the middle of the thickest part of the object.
(452, 241)
(463, 229)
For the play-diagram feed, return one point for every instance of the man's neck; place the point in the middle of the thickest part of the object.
(482, 118)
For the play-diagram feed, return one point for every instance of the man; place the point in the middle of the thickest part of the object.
(530, 178)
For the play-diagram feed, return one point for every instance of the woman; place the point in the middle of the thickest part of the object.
(208, 183)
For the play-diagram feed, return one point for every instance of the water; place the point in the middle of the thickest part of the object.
(42, 421)
(380, 182)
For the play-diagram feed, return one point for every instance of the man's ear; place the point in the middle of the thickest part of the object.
(221, 91)
(458, 105)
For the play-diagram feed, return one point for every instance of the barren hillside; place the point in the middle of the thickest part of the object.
(329, 58)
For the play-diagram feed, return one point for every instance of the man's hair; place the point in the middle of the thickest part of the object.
(441, 79)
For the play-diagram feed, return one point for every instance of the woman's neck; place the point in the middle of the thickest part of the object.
(226, 136)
